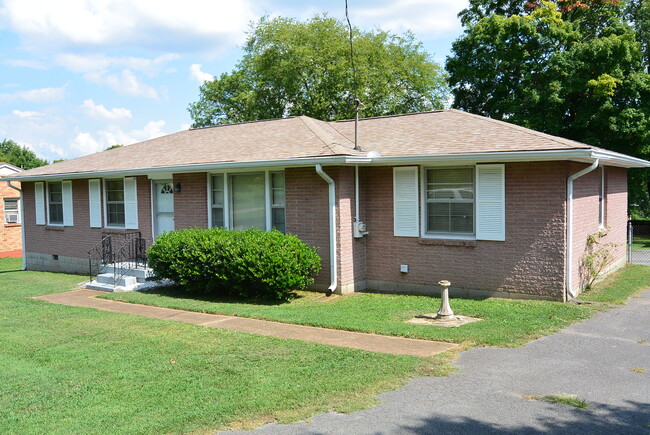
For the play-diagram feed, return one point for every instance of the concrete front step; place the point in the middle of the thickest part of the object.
(109, 278)
(141, 274)
(94, 285)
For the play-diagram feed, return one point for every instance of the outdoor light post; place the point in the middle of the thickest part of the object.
(444, 313)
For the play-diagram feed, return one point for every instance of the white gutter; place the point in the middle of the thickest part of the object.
(569, 226)
(22, 222)
(332, 216)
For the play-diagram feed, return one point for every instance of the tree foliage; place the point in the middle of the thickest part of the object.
(20, 156)
(575, 69)
(291, 68)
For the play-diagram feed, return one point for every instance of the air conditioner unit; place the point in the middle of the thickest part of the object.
(12, 218)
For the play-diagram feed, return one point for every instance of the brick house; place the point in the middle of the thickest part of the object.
(10, 219)
(497, 209)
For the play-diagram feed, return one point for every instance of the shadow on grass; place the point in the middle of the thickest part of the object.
(599, 419)
(11, 271)
(177, 292)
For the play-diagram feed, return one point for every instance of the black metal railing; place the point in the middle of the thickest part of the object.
(130, 255)
(99, 256)
(131, 252)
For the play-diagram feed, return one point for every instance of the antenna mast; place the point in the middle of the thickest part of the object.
(357, 102)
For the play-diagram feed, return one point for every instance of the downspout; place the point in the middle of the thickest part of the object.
(569, 226)
(22, 222)
(332, 218)
(356, 193)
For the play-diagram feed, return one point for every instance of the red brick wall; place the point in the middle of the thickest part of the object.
(531, 260)
(75, 241)
(586, 216)
(307, 215)
(191, 203)
(10, 234)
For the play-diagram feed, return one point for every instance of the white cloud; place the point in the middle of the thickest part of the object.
(23, 63)
(86, 143)
(101, 112)
(125, 83)
(426, 18)
(42, 95)
(27, 114)
(86, 64)
(191, 24)
(198, 75)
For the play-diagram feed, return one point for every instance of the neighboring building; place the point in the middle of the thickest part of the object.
(443, 195)
(10, 219)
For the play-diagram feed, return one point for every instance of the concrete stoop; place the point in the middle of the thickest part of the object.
(105, 280)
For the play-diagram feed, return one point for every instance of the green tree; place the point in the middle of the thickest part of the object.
(20, 156)
(304, 68)
(573, 69)
(112, 147)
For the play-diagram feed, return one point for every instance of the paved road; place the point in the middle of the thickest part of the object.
(593, 359)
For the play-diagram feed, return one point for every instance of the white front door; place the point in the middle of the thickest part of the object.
(163, 207)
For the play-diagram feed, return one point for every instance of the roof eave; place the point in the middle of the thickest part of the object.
(585, 155)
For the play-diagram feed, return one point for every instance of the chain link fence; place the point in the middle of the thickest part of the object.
(638, 242)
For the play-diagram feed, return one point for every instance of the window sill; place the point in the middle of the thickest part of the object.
(54, 227)
(12, 225)
(466, 243)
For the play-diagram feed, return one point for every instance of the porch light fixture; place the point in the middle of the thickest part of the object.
(177, 187)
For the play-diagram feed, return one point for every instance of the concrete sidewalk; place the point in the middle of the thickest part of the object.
(333, 337)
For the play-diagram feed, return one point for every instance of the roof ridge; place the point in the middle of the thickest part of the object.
(326, 137)
(558, 139)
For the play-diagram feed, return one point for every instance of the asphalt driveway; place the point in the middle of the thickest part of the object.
(600, 360)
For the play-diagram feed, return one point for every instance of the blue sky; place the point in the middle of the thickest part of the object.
(80, 75)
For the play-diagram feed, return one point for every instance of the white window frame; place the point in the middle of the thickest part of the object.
(227, 203)
(47, 204)
(424, 209)
(602, 200)
(105, 203)
(19, 217)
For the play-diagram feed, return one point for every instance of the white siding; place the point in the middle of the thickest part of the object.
(405, 201)
(39, 202)
(130, 203)
(490, 202)
(95, 203)
(66, 187)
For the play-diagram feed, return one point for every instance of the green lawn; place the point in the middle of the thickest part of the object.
(506, 322)
(75, 370)
(640, 243)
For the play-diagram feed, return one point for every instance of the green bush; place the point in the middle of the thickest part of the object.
(250, 264)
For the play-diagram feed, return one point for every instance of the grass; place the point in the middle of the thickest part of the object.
(640, 243)
(564, 399)
(505, 322)
(618, 287)
(76, 370)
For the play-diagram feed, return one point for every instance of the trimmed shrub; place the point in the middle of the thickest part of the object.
(250, 264)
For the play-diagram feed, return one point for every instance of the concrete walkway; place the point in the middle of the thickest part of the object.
(604, 360)
(333, 337)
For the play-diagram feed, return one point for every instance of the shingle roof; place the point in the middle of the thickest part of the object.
(428, 133)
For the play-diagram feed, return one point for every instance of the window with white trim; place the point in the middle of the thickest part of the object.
(217, 201)
(449, 201)
(277, 201)
(240, 201)
(115, 215)
(12, 210)
(55, 203)
(601, 198)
